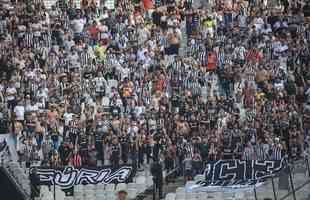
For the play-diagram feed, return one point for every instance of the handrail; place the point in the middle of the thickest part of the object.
(305, 161)
(295, 190)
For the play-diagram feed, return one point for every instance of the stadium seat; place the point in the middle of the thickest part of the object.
(141, 187)
(180, 193)
(216, 196)
(100, 194)
(110, 196)
(131, 186)
(132, 193)
(190, 195)
(201, 196)
(90, 197)
(100, 187)
(59, 193)
(110, 187)
(141, 180)
(228, 195)
(121, 186)
(140, 183)
(89, 188)
(239, 195)
(170, 196)
(79, 188)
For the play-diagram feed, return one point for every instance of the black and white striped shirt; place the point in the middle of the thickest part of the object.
(261, 153)
(276, 153)
(28, 39)
(189, 150)
(202, 58)
(85, 58)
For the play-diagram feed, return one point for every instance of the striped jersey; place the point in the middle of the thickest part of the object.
(276, 152)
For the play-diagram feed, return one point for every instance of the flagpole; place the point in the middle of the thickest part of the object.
(291, 181)
(273, 188)
(54, 187)
(307, 162)
(255, 194)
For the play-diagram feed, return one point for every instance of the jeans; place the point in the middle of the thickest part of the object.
(228, 19)
(55, 144)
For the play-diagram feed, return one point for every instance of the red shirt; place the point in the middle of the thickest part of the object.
(159, 85)
(253, 55)
(93, 31)
(76, 160)
(211, 61)
(148, 4)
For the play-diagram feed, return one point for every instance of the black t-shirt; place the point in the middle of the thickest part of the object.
(83, 143)
(4, 124)
(115, 150)
(156, 18)
(64, 153)
(124, 141)
(306, 10)
(227, 142)
(295, 151)
(175, 101)
(175, 83)
(272, 20)
(74, 132)
(157, 171)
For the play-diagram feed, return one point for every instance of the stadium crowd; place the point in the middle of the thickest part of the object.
(168, 80)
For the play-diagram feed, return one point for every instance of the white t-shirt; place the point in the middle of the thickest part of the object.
(73, 60)
(140, 54)
(37, 29)
(43, 93)
(259, 23)
(19, 112)
(78, 25)
(68, 117)
(10, 91)
(100, 83)
(32, 108)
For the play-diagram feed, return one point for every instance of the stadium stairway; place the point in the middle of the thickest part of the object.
(14, 184)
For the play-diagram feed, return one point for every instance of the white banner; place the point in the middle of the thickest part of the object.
(232, 175)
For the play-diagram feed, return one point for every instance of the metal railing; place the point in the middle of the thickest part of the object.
(293, 179)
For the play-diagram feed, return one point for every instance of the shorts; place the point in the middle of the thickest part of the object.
(11, 104)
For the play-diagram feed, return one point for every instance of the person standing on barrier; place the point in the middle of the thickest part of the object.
(35, 181)
(115, 152)
(157, 173)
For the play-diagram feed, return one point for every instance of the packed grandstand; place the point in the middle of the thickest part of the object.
(115, 99)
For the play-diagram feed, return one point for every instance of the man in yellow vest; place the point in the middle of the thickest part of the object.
(208, 25)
